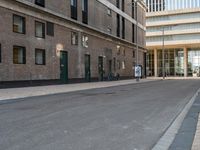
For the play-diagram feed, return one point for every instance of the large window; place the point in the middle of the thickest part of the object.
(40, 57)
(85, 11)
(18, 24)
(74, 9)
(118, 25)
(19, 55)
(40, 2)
(39, 29)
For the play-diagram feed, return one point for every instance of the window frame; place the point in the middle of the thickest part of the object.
(43, 57)
(76, 37)
(23, 24)
(24, 55)
(43, 29)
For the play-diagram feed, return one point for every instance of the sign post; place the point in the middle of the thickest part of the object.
(138, 72)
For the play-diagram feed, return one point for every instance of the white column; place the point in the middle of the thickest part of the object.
(185, 61)
(155, 63)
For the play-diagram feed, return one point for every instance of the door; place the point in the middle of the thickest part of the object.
(64, 66)
(100, 68)
(87, 68)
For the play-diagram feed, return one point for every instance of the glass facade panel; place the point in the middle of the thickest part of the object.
(194, 62)
(150, 63)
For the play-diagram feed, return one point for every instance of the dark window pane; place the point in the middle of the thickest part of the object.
(85, 11)
(18, 24)
(74, 9)
(50, 29)
(40, 2)
(19, 55)
(39, 29)
(40, 58)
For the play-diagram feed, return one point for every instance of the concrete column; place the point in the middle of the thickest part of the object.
(185, 61)
(155, 63)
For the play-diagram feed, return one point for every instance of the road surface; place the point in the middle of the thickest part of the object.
(130, 117)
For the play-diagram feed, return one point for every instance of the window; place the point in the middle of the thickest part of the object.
(85, 41)
(117, 3)
(123, 28)
(109, 12)
(19, 55)
(40, 2)
(74, 3)
(39, 29)
(18, 24)
(124, 51)
(74, 9)
(85, 11)
(74, 38)
(118, 50)
(0, 53)
(109, 30)
(123, 5)
(118, 25)
(133, 54)
(40, 57)
(50, 29)
(118, 64)
(123, 65)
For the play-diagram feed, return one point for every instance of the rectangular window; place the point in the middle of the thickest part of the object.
(118, 64)
(85, 11)
(74, 9)
(123, 8)
(123, 28)
(50, 29)
(18, 24)
(74, 38)
(39, 29)
(123, 65)
(85, 41)
(117, 3)
(0, 53)
(118, 25)
(133, 33)
(133, 54)
(40, 57)
(40, 3)
(109, 12)
(19, 55)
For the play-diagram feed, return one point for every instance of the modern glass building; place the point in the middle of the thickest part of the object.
(168, 5)
(176, 25)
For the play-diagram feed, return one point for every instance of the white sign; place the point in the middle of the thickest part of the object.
(138, 71)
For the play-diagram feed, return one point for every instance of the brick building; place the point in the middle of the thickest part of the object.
(69, 39)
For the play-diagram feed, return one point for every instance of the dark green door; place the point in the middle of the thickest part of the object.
(87, 68)
(64, 66)
(100, 68)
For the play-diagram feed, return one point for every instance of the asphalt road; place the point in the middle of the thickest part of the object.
(131, 117)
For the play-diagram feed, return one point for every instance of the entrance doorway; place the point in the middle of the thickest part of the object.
(64, 66)
(87, 68)
(100, 68)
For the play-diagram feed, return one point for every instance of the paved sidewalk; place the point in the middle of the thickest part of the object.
(185, 136)
(15, 93)
(196, 142)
